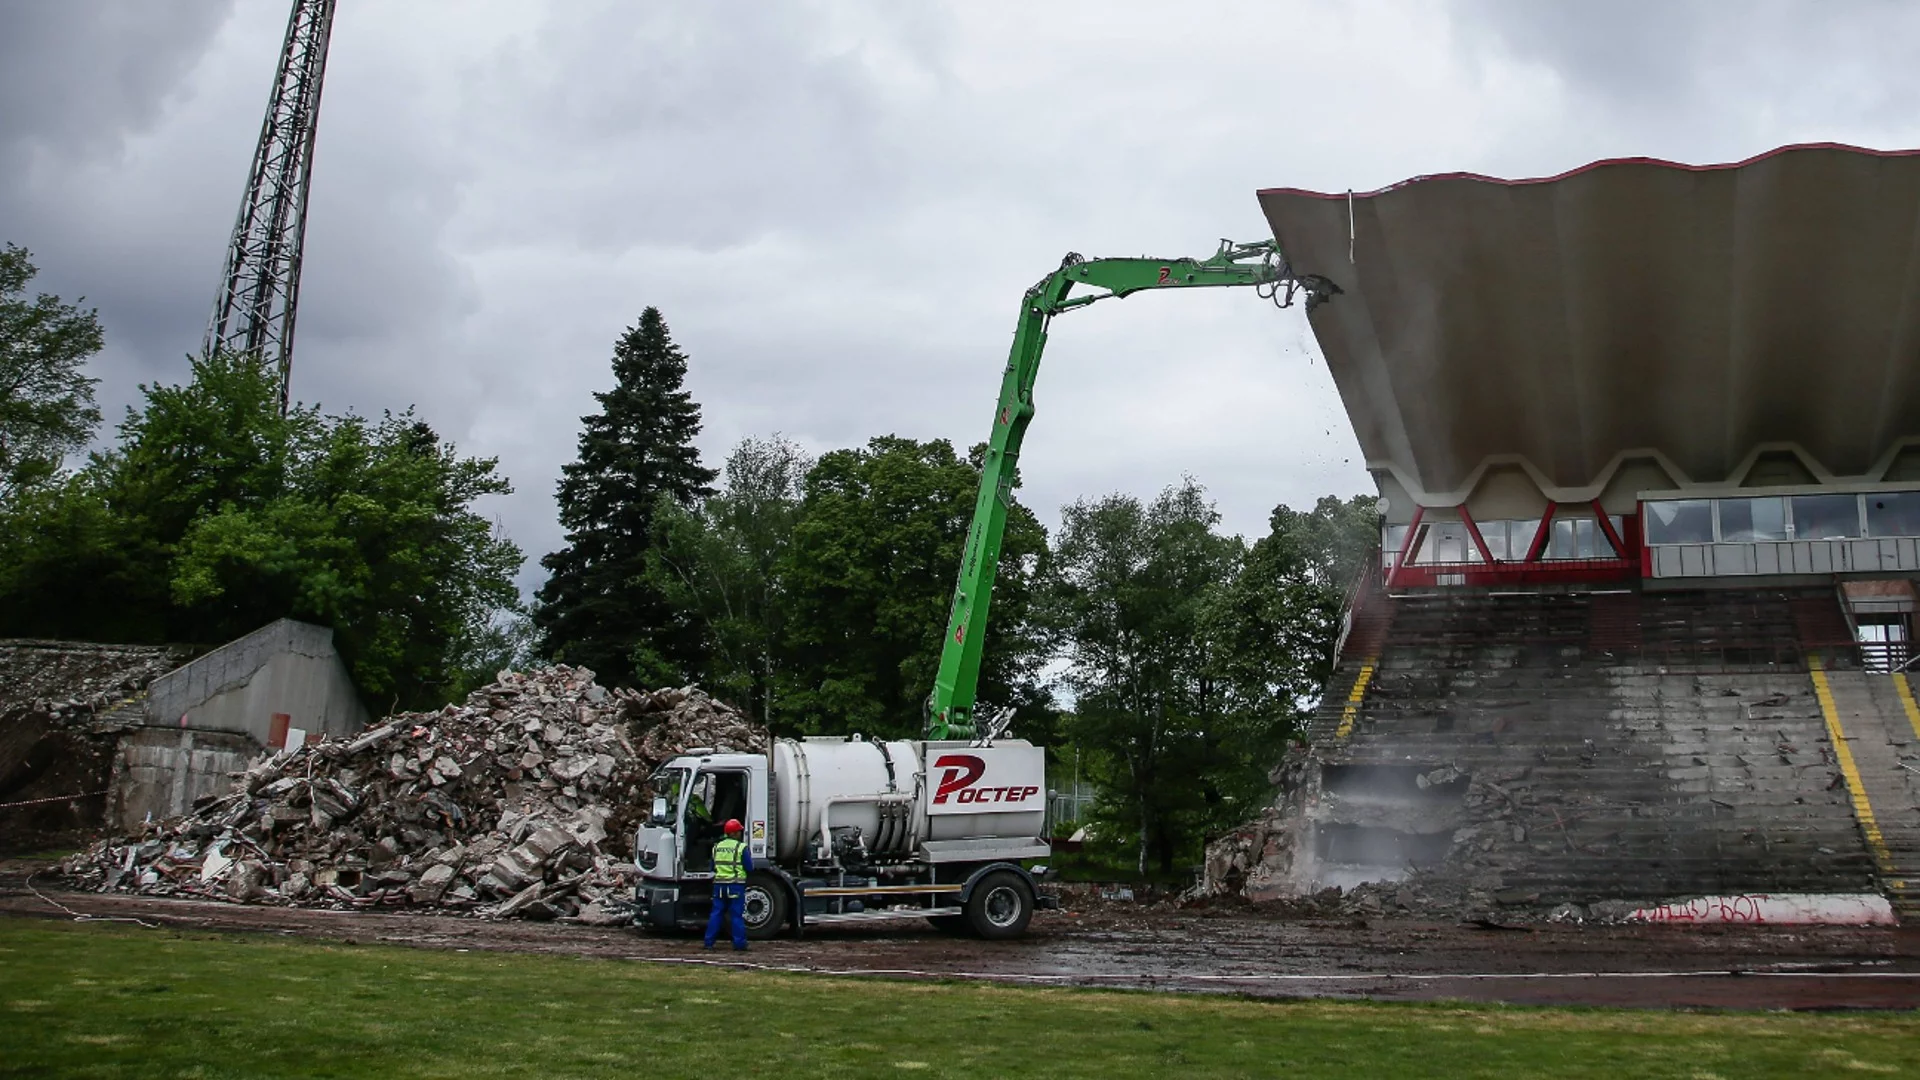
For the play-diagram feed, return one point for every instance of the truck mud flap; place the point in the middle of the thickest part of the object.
(988, 868)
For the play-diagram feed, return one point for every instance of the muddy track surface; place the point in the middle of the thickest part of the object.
(1122, 946)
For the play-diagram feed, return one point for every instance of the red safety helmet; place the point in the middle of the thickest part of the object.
(733, 825)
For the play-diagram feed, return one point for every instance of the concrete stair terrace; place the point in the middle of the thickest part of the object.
(1880, 725)
(1557, 748)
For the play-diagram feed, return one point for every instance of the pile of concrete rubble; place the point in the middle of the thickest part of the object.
(518, 803)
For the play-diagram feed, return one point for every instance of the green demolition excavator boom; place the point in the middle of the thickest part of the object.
(950, 708)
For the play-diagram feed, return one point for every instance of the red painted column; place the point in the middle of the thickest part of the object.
(1606, 526)
(1406, 545)
(1473, 530)
(1540, 535)
(1640, 538)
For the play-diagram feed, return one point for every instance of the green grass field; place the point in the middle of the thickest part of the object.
(110, 1001)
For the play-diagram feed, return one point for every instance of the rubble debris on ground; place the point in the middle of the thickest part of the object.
(519, 803)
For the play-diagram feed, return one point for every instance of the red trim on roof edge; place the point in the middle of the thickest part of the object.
(1602, 163)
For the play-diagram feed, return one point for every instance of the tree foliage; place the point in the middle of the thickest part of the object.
(47, 409)
(1275, 622)
(601, 607)
(216, 514)
(721, 562)
(868, 582)
(505, 642)
(1192, 657)
(1129, 590)
(373, 535)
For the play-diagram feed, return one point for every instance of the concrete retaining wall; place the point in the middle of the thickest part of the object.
(159, 773)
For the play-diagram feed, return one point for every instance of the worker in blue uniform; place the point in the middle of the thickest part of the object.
(731, 863)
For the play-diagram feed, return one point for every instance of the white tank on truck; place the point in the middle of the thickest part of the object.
(845, 830)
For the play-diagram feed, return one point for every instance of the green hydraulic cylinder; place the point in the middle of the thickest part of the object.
(950, 707)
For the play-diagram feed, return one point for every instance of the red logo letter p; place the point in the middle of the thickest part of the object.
(961, 770)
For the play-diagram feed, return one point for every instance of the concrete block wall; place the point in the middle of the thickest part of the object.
(285, 667)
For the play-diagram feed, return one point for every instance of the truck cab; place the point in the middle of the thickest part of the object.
(692, 798)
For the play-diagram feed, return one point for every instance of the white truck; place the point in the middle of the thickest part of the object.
(844, 830)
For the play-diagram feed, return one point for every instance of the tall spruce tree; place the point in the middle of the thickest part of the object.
(599, 607)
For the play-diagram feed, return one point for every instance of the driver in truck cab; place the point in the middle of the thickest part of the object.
(731, 862)
(699, 818)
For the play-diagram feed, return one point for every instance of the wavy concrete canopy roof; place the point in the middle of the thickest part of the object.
(1631, 305)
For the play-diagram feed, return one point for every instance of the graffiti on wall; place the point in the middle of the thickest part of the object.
(1779, 909)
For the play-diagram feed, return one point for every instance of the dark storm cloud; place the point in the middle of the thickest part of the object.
(837, 203)
(79, 77)
(108, 210)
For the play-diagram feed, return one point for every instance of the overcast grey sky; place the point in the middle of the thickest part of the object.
(837, 205)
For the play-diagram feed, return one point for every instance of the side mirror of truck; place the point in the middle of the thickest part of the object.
(659, 810)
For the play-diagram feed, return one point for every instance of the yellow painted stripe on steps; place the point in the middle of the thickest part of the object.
(1905, 689)
(1910, 890)
(1862, 809)
(1354, 697)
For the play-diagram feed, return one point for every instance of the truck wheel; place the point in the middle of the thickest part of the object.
(765, 907)
(1000, 906)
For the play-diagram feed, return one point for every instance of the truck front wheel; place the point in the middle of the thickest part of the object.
(1000, 906)
(765, 906)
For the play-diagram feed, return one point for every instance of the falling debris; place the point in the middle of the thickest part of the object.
(519, 803)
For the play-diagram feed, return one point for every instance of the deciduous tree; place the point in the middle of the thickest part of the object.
(46, 400)
(216, 514)
(869, 578)
(1275, 623)
(721, 562)
(374, 535)
(1127, 593)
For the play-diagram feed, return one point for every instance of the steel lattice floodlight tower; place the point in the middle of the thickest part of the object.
(260, 286)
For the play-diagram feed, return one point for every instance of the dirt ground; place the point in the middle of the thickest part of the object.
(1123, 945)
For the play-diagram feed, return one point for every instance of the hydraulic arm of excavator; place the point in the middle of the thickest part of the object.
(950, 708)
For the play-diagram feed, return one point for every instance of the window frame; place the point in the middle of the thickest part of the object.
(1867, 512)
(1649, 521)
(1859, 515)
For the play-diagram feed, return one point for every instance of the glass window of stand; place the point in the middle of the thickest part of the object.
(1825, 517)
(1747, 520)
(1893, 513)
(1680, 521)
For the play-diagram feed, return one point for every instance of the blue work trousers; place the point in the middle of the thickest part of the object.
(729, 903)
